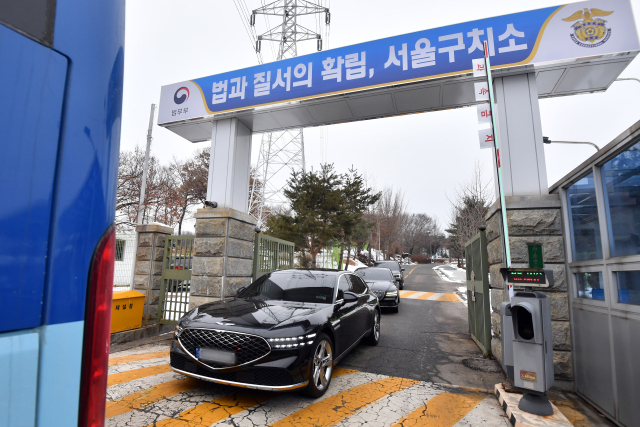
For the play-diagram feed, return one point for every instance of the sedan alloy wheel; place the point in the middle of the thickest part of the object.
(321, 367)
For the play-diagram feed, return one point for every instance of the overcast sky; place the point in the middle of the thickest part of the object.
(425, 155)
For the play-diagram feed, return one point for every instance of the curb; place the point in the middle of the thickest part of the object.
(519, 418)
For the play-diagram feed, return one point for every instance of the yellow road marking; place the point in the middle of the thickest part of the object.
(150, 396)
(410, 272)
(407, 294)
(137, 357)
(135, 374)
(426, 295)
(338, 372)
(448, 297)
(208, 413)
(443, 410)
(334, 409)
(219, 409)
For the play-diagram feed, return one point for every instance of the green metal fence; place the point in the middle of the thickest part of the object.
(271, 254)
(478, 301)
(177, 263)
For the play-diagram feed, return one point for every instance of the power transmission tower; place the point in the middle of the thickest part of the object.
(282, 150)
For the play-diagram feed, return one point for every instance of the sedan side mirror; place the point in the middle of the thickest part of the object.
(350, 297)
(402, 269)
(241, 290)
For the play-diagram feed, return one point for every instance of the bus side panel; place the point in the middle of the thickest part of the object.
(91, 35)
(33, 82)
(59, 374)
(19, 378)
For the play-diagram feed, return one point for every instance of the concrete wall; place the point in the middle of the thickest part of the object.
(532, 220)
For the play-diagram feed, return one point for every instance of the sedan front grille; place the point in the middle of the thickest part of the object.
(274, 377)
(248, 348)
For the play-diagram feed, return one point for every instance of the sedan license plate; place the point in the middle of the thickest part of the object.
(216, 356)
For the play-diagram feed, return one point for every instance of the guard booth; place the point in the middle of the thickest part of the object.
(600, 200)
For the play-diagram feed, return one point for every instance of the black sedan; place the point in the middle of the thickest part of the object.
(285, 331)
(395, 268)
(383, 284)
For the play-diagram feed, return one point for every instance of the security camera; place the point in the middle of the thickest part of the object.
(210, 204)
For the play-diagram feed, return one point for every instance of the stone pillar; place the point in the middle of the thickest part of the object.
(532, 220)
(148, 269)
(223, 257)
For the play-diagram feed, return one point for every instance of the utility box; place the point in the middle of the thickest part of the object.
(531, 337)
(532, 341)
(126, 311)
(506, 328)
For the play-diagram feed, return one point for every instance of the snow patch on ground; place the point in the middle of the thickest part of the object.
(461, 291)
(450, 273)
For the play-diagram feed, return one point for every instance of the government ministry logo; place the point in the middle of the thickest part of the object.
(591, 31)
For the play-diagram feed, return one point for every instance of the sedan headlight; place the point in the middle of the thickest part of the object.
(177, 330)
(392, 293)
(292, 342)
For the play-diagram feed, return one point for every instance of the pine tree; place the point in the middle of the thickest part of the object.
(356, 198)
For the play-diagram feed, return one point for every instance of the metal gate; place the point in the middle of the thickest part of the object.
(271, 254)
(177, 263)
(479, 303)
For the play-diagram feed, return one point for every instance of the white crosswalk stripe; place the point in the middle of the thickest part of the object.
(391, 408)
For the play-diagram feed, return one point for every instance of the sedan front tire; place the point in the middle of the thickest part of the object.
(321, 367)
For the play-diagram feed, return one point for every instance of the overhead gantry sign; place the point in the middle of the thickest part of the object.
(575, 48)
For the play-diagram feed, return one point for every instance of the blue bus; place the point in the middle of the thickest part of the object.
(61, 72)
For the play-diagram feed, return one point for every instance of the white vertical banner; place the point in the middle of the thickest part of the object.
(479, 69)
(482, 91)
(484, 113)
(485, 136)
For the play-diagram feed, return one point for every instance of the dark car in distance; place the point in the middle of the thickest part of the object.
(395, 268)
(285, 331)
(383, 284)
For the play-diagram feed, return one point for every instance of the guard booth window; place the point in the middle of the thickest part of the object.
(589, 286)
(621, 182)
(583, 219)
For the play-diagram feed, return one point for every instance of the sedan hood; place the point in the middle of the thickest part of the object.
(254, 314)
(381, 285)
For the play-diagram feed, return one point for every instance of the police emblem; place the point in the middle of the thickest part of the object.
(591, 31)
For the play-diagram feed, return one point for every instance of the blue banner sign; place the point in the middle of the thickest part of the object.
(538, 36)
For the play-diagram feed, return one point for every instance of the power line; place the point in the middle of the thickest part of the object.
(249, 32)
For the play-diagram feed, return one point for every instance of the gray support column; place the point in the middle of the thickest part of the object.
(230, 164)
(524, 170)
(148, 267)
(223, 257)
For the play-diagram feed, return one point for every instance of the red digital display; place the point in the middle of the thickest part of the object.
(524, 277)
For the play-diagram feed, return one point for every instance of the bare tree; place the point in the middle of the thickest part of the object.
(468, 211)
(389, 214)
(128, 189)
(419, 232)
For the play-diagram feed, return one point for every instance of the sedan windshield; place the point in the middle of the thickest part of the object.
(391, 265)
(296, 286)
(369, 274)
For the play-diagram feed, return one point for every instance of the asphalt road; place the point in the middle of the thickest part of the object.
(428, 340)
